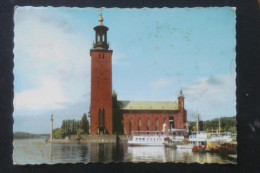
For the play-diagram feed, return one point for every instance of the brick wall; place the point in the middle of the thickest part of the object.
(101, 89)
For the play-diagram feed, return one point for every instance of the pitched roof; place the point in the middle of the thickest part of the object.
(148, 105)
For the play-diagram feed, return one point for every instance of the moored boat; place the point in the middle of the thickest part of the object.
(200, 148)
(177, 140)
(184, 145)
(187, 146)
(198, 139)
(154, 138)
(221, 137)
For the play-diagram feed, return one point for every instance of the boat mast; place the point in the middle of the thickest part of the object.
(219, 125)
(197, 121)
(197, 127)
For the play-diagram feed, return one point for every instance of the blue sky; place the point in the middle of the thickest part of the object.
(156, 52)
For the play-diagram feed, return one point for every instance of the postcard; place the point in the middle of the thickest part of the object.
(124, 85)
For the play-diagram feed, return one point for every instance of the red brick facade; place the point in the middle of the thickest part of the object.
(101, 92)
(101, 109)
(147, 120)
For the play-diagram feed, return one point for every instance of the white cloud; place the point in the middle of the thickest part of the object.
(49, 96)
(212, 97)
(161, 83)
(53, 58)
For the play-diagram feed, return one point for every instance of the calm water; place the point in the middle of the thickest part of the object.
(36, 151)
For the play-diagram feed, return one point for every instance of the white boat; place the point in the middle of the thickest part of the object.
(198, 138)
(188, 146)
(225, 137)
(154, 138)
(172, 142)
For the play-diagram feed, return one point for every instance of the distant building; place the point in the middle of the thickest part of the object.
(142, 116)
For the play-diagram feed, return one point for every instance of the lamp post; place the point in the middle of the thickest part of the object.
(51, 135)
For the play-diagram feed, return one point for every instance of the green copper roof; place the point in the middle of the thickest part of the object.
(148, 105)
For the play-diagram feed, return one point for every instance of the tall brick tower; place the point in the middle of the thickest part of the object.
(182, 112)
(101, 83)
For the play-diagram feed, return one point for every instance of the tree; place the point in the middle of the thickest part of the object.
(117, 115)
(58, 133)
(85, 124)
(228, 124)
(80, 132)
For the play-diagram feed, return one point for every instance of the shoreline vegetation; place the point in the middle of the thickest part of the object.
(25, 135)
(91, 139)
(73, 131)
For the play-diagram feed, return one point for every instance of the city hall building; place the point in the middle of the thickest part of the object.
(137, 115)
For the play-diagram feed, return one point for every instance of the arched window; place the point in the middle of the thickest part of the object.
(139, 124)
(171, 121)
(148, 124)
(130, 126)
(101, 117)
(156, 124)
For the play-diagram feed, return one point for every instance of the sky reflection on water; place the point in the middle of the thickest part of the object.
(36, 151)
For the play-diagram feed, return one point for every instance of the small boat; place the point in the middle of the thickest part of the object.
(227, 148)
(200, 148)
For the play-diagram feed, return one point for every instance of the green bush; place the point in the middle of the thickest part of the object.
(80, 132)
(58, 134)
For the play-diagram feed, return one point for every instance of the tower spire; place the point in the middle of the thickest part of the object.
(181, 94)
(101, 35)
(100, 19)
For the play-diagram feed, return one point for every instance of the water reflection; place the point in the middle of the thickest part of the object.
(118, 152)
(84, 154)
(37, 152)
(101, 153)
(146, 154)
(50, 152)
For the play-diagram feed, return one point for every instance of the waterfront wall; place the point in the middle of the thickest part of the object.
(91, 139)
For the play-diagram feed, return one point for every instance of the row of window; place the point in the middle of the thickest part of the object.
(148, 124)
(149, 139)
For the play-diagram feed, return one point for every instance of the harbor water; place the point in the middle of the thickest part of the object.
(37, 151)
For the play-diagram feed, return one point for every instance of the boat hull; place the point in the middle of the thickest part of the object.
(136, 143)
(184, 146)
